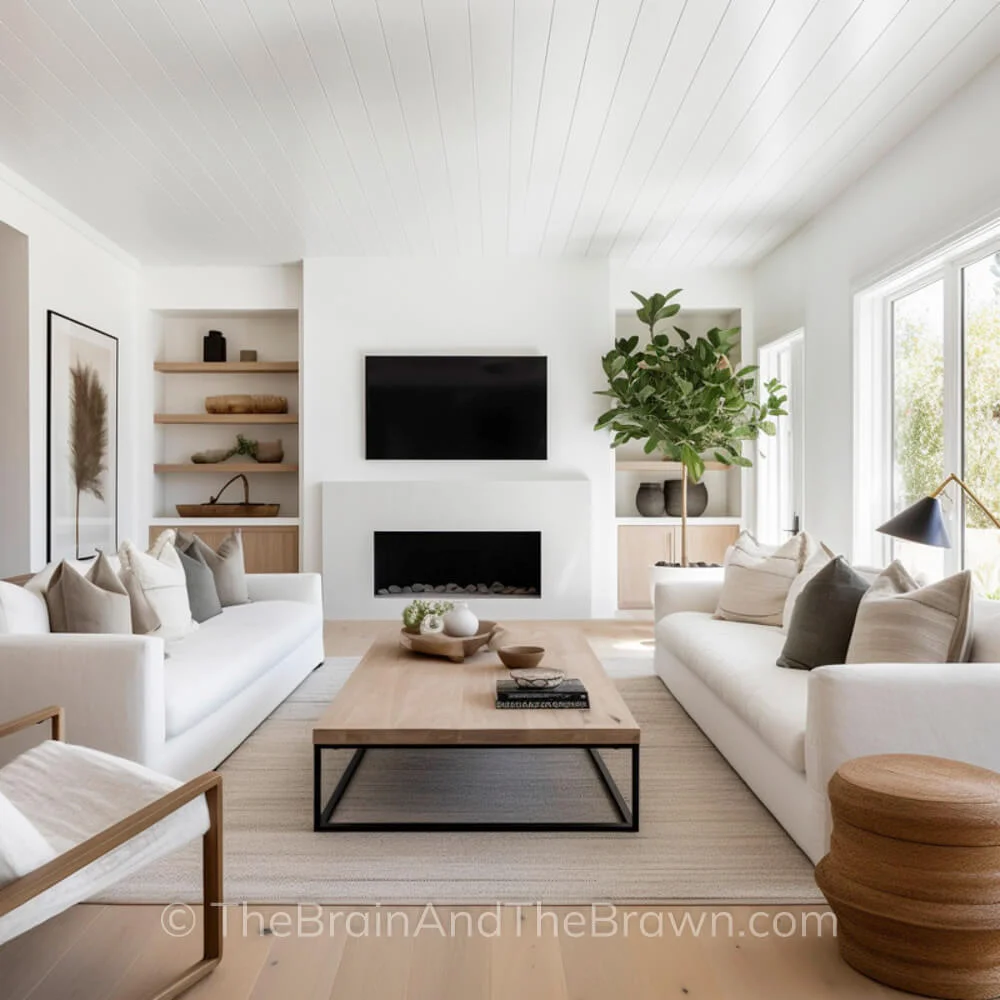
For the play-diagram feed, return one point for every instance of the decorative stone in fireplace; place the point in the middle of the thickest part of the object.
(481, 563)
(508, 535)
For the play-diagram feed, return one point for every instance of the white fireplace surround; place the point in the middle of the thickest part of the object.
(557, 507)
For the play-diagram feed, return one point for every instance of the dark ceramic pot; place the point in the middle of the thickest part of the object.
(697, 498)
(649, 500)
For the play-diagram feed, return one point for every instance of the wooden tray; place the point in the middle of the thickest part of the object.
(447, 646)
(228, 509)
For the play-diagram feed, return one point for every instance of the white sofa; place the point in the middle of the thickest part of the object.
(179, 710)
(785, 732)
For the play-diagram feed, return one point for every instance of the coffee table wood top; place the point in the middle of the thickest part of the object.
(398, 698)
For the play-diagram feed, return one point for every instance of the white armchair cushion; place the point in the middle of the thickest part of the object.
(22, 611)
(22, 847)
(160, 575)
(70, 793)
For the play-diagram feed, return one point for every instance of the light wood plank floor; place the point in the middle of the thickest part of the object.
(96, 952)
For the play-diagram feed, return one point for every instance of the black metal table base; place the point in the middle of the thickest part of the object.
(628, 812)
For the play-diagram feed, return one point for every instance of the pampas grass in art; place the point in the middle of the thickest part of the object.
(88, 435)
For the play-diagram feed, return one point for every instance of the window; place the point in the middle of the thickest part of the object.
(927, 403)
(780, 460)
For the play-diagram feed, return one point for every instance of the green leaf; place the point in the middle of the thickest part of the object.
(665, 312)
(748, 370)
(768, 427)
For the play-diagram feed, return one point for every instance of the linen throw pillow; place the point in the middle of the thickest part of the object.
(160, 576)
(822, 621)
(22, 846)
(96, 603)
(900, 622)
(202, 594)
(226, 564)
(757, 579)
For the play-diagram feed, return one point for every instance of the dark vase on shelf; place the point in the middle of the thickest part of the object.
(697, 498)
(214, 346)
(649, 500)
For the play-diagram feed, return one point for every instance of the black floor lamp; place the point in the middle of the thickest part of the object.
(923, 521)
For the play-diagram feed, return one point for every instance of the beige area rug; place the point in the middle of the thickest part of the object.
(703, 836)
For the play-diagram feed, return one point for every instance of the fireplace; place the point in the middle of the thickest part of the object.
(475, 563)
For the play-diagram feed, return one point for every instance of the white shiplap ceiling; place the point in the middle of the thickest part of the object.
(657, 131)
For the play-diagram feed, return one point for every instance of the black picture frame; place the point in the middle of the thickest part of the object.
(69, 340)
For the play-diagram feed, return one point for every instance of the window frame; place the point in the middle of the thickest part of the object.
(874, 385)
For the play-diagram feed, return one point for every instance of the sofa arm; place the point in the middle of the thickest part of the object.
(110, 686)
(685, 595)
(941, 709)
(305, 587)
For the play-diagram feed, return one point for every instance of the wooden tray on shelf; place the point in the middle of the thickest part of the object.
(448, 646)
(228, 509)
(215, 509)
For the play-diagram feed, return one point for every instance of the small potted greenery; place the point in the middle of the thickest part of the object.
(683, 398)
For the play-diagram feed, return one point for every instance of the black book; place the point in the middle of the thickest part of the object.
(570, 689)
(569, 694)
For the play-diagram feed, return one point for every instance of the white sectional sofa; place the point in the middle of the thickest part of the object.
(181, 709)
(785, 732)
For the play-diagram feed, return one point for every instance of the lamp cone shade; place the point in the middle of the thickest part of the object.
(921, 522)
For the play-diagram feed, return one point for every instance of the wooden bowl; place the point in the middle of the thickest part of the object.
(229, 404)
(520, 657)
(450, 647)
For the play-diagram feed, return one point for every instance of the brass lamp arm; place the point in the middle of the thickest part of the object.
(952, 478)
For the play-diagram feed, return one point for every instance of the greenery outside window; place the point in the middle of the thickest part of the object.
(927, 402)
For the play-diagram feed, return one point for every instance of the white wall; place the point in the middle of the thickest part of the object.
(941, 180)
(73, 270)
(559, 308)
(15, 453)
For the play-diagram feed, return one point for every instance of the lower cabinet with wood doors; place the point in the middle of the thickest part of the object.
(265, 550)
(642, 545)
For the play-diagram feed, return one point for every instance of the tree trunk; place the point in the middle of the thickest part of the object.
(684, 515)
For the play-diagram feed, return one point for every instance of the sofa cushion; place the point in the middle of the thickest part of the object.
(228, 653)
(901, 622)
(95, 602)
(160, 575)
(736, 661)
(758, 578)
(22, 611)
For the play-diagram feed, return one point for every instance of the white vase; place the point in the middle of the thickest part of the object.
(460, 621)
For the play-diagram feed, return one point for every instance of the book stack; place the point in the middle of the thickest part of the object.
(569, 694)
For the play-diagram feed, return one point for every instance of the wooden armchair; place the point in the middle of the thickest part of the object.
(29, 891)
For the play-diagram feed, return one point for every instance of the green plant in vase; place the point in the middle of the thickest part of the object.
(683, 397)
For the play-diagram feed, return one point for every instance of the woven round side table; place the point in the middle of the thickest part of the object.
(913, 873)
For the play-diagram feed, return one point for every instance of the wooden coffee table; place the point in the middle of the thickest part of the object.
(396, 699)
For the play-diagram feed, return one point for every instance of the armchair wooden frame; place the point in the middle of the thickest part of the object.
(209, 784)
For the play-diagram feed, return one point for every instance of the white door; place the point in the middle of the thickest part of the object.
(780, 460)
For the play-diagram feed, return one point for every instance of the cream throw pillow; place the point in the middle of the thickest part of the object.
(901, 622)
(758, 578)
(159, 574)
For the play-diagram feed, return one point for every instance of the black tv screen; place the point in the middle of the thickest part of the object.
(432, 408)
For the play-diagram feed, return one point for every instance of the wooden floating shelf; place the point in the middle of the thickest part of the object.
(223, 367)
(224, 467)
(652, 465)
(226, 418)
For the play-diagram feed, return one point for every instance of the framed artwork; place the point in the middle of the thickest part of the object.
(82, 444)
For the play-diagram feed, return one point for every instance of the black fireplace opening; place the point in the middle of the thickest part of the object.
(476, 563)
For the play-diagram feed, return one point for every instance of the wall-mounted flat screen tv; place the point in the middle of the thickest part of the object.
(430, 408)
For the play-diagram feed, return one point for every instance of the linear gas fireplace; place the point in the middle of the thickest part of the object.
(493, 563)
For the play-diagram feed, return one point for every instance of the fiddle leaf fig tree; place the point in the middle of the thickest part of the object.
(682, 396)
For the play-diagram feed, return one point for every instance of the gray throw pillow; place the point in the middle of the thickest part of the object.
(203, 596)
(823, 618)
(226, 564)
(96, 603)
